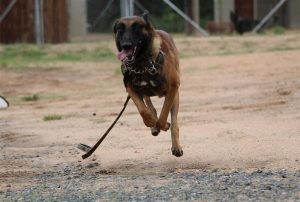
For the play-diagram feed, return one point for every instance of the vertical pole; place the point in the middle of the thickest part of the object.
(42, 21)
(38, 22)
(123, 8)
(221, 7)
(131, 7)
(127, 7)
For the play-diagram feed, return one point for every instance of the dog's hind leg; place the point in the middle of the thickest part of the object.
(176, 148)
(154, 130)
(148, 118)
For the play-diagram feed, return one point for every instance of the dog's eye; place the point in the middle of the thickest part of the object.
(121, 27)
(136, 27)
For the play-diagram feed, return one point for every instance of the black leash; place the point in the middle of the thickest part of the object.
(90, 150)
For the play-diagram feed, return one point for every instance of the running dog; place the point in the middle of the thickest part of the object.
(150, 67)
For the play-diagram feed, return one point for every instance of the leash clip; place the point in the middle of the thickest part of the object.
(152, 70)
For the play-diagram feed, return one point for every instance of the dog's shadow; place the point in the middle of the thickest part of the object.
(171, 165)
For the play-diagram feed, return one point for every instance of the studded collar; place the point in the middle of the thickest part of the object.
(151, 67)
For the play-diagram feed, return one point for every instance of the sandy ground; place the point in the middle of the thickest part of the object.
(239, 110)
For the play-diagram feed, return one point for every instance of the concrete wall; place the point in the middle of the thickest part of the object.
(222, 10)
(294, 13)
(77, 18)
(288, 16)
(262, 8)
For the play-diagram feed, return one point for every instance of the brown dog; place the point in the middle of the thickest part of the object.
(150, 67)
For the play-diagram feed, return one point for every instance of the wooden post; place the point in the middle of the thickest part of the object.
(192, 10)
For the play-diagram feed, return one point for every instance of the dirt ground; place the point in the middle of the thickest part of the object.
(239, 110)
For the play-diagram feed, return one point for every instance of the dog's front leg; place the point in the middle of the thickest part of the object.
(148, 118)
(168, 103)
(154, 130)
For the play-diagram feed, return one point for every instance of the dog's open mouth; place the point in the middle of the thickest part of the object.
(126, 54)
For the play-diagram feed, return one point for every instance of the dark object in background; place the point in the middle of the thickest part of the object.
(242, 25)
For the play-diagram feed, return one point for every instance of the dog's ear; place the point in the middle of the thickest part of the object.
(145, 16)
(115, 26)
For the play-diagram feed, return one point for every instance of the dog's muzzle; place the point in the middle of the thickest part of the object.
(126, 54)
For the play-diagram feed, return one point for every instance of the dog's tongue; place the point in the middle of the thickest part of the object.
(123, 54)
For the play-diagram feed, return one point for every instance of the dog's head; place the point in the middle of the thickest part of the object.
(133, 35)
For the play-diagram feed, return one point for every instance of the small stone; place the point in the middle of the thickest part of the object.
(248, 183)
(94, 114)
(92, 165)
(268, 187)
(259, 171)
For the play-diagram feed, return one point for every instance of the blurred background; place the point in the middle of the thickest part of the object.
(239, 103)
(59, 21)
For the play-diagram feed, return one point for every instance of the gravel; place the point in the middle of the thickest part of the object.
(76, 183)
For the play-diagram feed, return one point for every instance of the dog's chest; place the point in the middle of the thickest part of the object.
(145, 83)
(144, 75)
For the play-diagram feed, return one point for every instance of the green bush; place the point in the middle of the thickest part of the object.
(52, 117)
(169, 21)
(30, 98)
(278, 30)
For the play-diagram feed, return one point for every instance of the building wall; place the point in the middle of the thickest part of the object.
(19, 24)
(222, 10)
(294, 14)
(77, 18)
(283, 16)
(244, 8)
(263, 7)
(288, 15)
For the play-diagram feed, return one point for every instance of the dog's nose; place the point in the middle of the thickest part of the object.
(127, 46)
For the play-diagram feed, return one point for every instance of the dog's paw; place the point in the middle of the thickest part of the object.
(155, 131)
(163, 127)
(166, 127)
(177, 151)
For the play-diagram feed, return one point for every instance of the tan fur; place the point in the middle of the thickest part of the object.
(156, 46)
